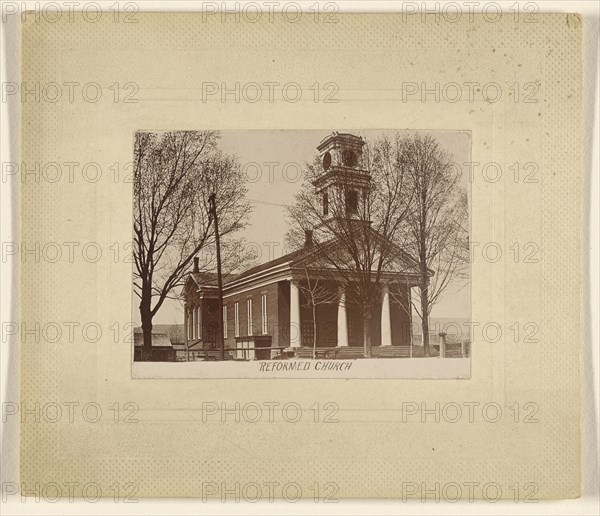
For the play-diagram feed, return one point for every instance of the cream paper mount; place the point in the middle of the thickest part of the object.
(509, 428)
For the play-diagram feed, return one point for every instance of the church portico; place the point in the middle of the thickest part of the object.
(340, 322)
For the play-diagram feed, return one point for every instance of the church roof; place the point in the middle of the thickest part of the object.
(204, 279)
(209, 279)
(305, 256)
(290, 257)
(159, 340)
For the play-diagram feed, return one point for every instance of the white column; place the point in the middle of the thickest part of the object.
(295, 341)
(199, 324)
(386, 320)
(342, 321)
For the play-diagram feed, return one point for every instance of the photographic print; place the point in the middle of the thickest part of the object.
(301, 254)
(295, 262)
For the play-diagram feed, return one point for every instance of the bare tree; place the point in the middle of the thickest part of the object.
(176, 335)
(437, 232)
(175, 173)
(236, 254)
(317, 293)
(356, 241)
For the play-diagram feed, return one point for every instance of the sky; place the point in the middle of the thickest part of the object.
(272, 162)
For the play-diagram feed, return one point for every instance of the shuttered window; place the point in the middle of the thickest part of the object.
(236, 319)
(264, 316)
(249, 306)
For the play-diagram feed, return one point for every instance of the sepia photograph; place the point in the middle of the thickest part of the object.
(302, 253)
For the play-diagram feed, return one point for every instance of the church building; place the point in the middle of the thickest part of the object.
(266, 311)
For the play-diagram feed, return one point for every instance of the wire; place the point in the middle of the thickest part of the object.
(256, 201)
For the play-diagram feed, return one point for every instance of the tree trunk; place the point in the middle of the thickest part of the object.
(425, 318)
(314, 314)
(146, 316)
(424, 280)
(367, 335)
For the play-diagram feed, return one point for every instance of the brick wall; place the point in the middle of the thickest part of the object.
(278, 312)
(283, 309)
(275, 306)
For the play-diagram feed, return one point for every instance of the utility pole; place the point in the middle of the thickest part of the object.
(220, 340)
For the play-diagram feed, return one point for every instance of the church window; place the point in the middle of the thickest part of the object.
(349, 158)
(351, 202)
(249, 306)
(264, 317)
(236, 319)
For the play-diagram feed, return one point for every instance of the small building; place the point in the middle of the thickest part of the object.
(162, 349)
(265, 309)
(180, 351)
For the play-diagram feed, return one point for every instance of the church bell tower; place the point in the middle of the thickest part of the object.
(344, 182)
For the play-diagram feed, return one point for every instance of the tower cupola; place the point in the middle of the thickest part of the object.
(344, 182)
